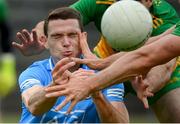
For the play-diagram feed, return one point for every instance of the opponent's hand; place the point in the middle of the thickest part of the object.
(142, 90)
(60, 73)
(29, 43)
(89, 58)
(75, 90)
(84, 47)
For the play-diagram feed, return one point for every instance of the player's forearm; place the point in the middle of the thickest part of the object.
(107, 112)
(152, 39)
(122, 69)
(38, 104)
(109, 60)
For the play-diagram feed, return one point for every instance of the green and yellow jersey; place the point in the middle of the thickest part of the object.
(163, 14)
(177, 29)
(92, 10)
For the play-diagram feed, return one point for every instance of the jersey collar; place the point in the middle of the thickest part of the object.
(50, 65)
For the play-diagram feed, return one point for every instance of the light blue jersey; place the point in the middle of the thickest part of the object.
(39, 73)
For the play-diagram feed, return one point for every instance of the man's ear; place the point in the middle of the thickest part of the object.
(43, 40)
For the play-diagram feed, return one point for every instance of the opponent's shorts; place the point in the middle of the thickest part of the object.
(103, 50)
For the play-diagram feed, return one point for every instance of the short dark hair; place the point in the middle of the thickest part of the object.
(63, 13)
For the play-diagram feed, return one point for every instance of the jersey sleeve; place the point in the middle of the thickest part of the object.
(115, 93)
(30, 77)
(177, 29)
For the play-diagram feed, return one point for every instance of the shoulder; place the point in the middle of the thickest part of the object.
(92, 2)
(38, 65)
(37, 69)
(161, 6)
(35, 74)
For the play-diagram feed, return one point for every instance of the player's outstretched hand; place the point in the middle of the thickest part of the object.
(90, 59)
(60, 73)
(29, 44)
(85, 48)
(142, 90)
(75, 90)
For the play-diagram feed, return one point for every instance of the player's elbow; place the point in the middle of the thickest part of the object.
(35, 111)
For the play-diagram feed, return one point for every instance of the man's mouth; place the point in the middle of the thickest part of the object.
(67, 53)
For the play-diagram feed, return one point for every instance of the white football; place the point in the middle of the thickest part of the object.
(126, 25)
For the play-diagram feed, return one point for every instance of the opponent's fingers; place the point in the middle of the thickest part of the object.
(63, 72)
(66, 75)
(60, 81)
(73, 103)
(34, 35)
(149, 94)
(143, 82)
(53, 88)
(66, 101)
(27, 35)
(140, 79)
(21, 38)
(145, 102)
(56, 94)
(17, 45)
(83, 74)
(61, 63)
(83, 71)
(83, 43)
(79, 61)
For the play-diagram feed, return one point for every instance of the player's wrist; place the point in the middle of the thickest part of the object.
(96, 95)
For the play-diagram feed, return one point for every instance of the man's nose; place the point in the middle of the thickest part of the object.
(66, 42)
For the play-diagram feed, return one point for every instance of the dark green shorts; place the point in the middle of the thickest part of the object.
(173, 84)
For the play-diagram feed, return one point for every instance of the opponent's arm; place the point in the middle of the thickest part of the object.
(110, 112)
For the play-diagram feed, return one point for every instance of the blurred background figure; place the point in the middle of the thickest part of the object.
(7, 59)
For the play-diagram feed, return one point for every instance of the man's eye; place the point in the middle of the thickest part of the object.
(57, 37)
(73, 35)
